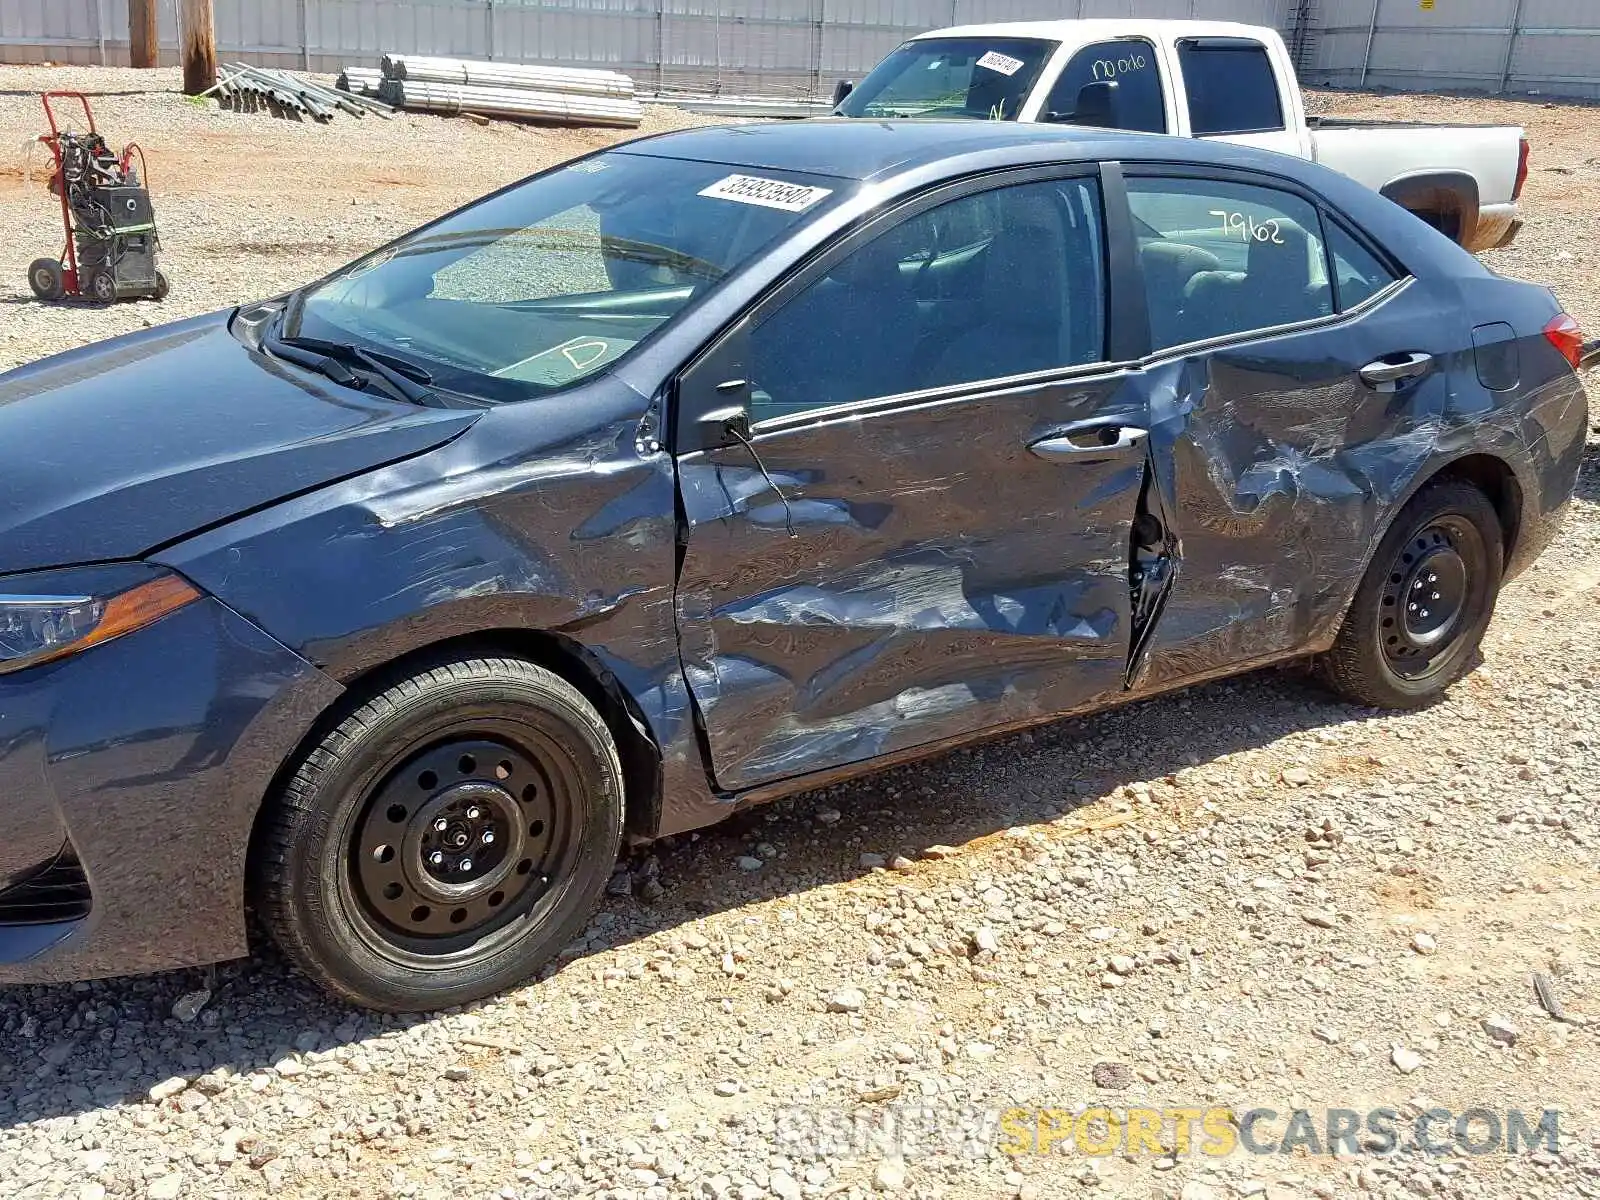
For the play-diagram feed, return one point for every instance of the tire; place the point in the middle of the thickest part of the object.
(163, 286)
(1445, 549)
(372, 869)
(46, 279)
(103, 287)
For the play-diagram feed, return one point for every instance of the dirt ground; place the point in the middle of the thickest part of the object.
(1244, 896)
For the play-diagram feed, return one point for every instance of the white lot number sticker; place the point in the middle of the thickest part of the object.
(1004, 63)
(768, 193)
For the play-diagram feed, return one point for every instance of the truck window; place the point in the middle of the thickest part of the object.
(1131, 64)
(1231, 86)
(1223, 258)
(985, 78)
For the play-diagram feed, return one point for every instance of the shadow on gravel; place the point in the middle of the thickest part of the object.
(68, 1048)
(65, 1049)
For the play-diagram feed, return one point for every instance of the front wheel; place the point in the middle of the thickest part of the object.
(103, 286)
(1423, 606)
(46, 279)
(445, 839)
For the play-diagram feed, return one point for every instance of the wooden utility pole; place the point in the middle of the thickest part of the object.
(197, 34)
(143, 36)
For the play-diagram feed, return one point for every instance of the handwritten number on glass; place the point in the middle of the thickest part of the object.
(1246, 228)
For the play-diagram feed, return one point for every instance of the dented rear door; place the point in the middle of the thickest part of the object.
(869, 577)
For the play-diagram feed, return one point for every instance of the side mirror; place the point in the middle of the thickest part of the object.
(1098, 104)
(842, 89)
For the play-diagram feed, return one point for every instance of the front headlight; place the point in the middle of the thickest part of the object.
(51, 614)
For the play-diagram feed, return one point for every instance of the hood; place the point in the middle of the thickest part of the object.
(110, 451)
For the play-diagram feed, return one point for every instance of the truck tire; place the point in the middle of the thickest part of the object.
(445, 838)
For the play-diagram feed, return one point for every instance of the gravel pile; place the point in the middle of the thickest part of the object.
(1245, 895)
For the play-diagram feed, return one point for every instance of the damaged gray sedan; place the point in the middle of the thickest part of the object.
(708, 469)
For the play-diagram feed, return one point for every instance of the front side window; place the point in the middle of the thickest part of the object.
(997, 283)
(1231, 85)
(544, 285)
(1222, 258)
(983, 78)
(1131, 64)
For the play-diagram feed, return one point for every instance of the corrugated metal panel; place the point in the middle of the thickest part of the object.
(788, 47)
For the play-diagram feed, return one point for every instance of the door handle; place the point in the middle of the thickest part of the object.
(1089, 445)
(1388, 372)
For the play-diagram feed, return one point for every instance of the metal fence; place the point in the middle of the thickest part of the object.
(1543, 46)
(790, 47)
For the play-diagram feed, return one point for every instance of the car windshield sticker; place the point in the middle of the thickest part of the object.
(1004, 63)
(768, 193)
(562, 364)
(588, 166)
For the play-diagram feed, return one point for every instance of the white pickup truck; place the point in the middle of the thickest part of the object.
(1208, 79)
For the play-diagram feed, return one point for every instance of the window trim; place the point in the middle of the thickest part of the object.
(1232, 43)
(1150, 169)
(1225, 341)
(691, 409)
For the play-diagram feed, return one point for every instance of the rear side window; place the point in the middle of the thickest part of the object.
(1224, 258)
(1231, 86)
(1358, 275)
(1131, 65)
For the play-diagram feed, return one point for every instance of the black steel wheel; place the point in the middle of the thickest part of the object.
(47, 279)
(1420, 613)
(445, 838)
(102, 287)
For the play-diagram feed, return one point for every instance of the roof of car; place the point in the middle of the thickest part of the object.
(858, 148)
(1093, 28)
(854, 148)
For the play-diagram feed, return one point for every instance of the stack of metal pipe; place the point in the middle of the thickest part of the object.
(565, 95)
(575, 80)
(241, 85)
(363, 81)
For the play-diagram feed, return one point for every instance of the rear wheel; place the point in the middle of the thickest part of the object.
(1421, 610)
(446, 838)
(163, 286)
(46, 279)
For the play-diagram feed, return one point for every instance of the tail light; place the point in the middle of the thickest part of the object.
(1522, 170)
(1563, 333)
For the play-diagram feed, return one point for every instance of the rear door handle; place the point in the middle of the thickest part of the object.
(1387, 372)
(1089, 445)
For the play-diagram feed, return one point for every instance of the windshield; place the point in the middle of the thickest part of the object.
(985, 78)
(541, 286)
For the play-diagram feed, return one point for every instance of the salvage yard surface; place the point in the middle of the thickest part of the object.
(1241, 896)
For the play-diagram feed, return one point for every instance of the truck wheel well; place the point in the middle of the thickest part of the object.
(1447, 200)
(1494, 479)
(641, 757)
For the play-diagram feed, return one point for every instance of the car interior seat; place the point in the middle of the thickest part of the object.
(849, 336)
(1023, 324)
(1276, 288)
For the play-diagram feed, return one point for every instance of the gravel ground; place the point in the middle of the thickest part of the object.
(1245, 895)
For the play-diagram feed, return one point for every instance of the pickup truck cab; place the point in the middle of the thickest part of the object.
(1202, 79)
